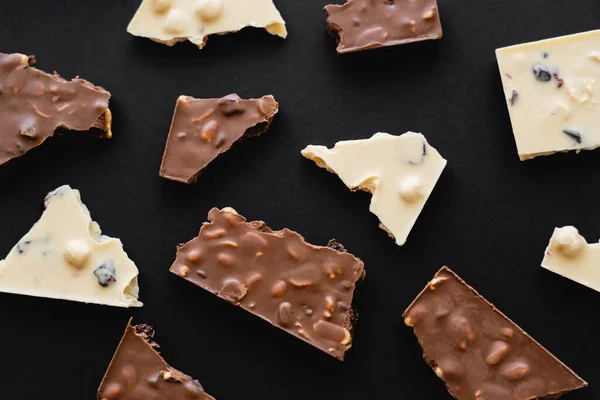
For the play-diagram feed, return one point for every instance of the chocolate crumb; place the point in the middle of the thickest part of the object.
(513, 97)
(574, 134)
(541, 73)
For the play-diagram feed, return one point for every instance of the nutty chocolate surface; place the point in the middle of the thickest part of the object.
(138, 372)
(202, 129)
(478, 352)
(34, 104)
(368, 24)
(303, 289)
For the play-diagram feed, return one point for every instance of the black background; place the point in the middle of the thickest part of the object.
(489, 217)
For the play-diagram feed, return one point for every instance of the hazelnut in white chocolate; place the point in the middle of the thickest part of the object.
(65, 256)
(400, 172)
(173, 21)
(552, 89)
(569, 255)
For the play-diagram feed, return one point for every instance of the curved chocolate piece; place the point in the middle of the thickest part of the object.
(138, 372)
(478, 352)
(34, 104)
(368, 24)
(202, 129)
(304, 289)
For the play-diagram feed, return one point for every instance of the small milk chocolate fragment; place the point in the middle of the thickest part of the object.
(202, 129)
(138, 372)
(303, 289)
(477, 351)
(368, 24)
(34, 104)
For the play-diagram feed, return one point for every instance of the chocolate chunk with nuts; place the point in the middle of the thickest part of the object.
(368, 24)
(34, 104)
(138, 372)
(303, 289)
(477, 351)
(202, 129)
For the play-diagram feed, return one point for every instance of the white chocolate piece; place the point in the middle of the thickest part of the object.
(65, 256)
(552, 88)
(173, 21)
(400, 172)
(568, 254)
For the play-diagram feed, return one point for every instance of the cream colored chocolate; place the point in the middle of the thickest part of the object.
(571, 256)
(552, 90)
(65, 256)
(172, 21)
(400, 172)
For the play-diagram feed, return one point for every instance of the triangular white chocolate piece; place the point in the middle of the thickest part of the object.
(173, 21)
(400, 172)
(568, 254)
(65, 256)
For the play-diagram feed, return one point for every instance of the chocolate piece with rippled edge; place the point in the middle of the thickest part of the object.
(34, 104)
(138, 372)
(303, 289)
(202, 129)
(477, 351)
(369, 24)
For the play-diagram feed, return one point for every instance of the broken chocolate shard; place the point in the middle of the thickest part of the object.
(202, 129)
(34, 104)
(369, 24)
(138, 372)
(276, 275)
(477, 351)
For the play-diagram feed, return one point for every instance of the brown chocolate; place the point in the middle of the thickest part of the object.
(34, 104)
(477, 351)
(368, 24)
(202, 129)
(138, 372)
(303, 289)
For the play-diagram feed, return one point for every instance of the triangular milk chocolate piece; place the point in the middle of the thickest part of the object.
(303, 289)
(477, 351)
(138, 372)
(34, 104)
(202, 129)
(65, 256)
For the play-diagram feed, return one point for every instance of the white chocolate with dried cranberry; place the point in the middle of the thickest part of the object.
(568, 254)
(65, 256)
(400, 172)
(173, 21)
(552, 89)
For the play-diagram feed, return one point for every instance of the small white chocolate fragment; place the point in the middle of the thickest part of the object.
(552, 89)
(400, 172)
(568, 254)
(173, 21)
(65, 256)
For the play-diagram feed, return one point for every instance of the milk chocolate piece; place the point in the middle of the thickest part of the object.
(368, 24)
(138, 372)
(477, 351)
(34, 104)
(303, 289)
(202, 129)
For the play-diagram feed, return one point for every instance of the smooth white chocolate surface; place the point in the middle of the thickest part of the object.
(172, 21)
(400, 172)
(65, 256)
(568, 254)
(552, 91)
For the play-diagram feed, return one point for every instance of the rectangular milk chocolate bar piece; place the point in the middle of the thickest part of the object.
(138, 372)
(369, 24)
(477, 351)
(551, 89)
(34, 104)
(202, 129)
(303, 289)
